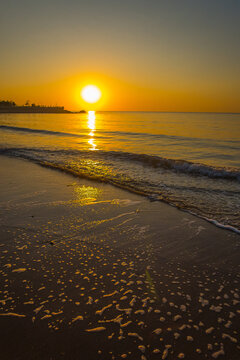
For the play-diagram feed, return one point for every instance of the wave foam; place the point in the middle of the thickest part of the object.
(178, 166)
(215, 201)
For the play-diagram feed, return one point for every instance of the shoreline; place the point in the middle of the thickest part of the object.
(90, 270)
(31, 111)
(132, 191)
(149, 198)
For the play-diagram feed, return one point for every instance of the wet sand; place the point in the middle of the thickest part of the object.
(89, 271)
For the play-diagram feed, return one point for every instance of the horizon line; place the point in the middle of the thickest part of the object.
(159, 111)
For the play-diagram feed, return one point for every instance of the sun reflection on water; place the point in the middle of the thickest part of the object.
(91, 142)
(91, 126)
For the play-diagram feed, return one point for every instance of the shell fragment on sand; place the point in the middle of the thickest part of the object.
(101, 328)
(100, 312)
(20, 270)
(13, 314)
(79, 317)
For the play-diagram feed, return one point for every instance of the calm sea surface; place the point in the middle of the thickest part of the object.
(190, 160)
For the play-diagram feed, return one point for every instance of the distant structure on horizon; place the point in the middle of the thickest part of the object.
(7, 106)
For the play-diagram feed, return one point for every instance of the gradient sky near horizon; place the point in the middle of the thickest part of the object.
(149, 55)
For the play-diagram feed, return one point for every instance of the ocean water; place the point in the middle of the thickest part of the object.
(189, 160)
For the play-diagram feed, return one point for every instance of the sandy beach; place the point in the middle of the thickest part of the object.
(89, 271)
(119, 180)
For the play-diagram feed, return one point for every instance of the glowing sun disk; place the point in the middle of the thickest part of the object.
(91, 94)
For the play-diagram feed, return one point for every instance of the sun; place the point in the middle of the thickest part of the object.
(91, 94)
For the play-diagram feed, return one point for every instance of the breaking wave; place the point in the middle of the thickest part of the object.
(181, 166)
(178, 166)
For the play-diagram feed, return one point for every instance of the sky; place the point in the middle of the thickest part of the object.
(144, 55)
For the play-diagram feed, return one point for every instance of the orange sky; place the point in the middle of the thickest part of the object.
(149, 56)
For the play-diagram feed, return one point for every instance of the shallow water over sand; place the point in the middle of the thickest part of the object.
(189, 160)
(91, 271)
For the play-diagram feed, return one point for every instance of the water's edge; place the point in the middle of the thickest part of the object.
(121, 186)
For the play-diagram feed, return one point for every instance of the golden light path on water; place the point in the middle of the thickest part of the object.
(91, 126)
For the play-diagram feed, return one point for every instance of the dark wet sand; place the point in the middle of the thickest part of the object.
(89, 271)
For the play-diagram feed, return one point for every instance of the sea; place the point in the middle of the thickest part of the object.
(188, 160)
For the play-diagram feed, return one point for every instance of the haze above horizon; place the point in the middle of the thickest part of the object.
(142, 55)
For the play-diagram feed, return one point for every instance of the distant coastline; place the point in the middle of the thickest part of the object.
(11, 107)
(35, 109)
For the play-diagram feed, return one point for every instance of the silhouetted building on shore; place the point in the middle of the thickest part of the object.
(11, 107)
